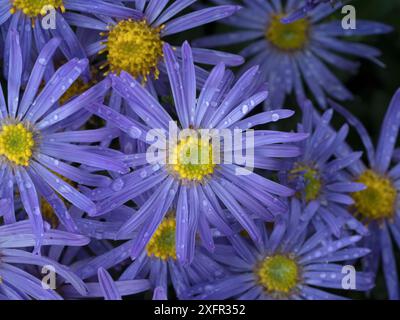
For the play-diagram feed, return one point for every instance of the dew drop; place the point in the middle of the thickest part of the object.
(135, 132)
(42, 61)
(275, 117)
(117, 185)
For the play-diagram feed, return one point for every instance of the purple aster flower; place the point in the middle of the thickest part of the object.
(202, 191)
(32, 18)
(18, 280)
(136, 45)
(377, 205)
(291, 263)
(301, 12)
(107, 288)
(157, 262)
(319, 175)
(290, 55)
(38, 153)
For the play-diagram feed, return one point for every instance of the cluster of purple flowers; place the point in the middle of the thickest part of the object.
(96, 192)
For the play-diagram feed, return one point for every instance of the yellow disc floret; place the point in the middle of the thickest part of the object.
(278, 274)
(35, 8)
(162, 243)
(312, 180)
(287, 37)
(48, 213)
(135, 47)
(378, 200)
(16, 144)
(47, 210)
(77, 88)
(192, 159)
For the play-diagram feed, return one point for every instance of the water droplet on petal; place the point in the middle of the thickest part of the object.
(275, 117)
(117, 185)
(42, 61)
(135, 132)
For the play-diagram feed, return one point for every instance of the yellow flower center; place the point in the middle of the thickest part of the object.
(135, 47)
(16, 144)
(311, 178)
(378, 200)
(47, 210)
(78, 87)
(34, 8)
(287, 37)
(162, 243)
(48, 213)
(192, 159)
(278, 274)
